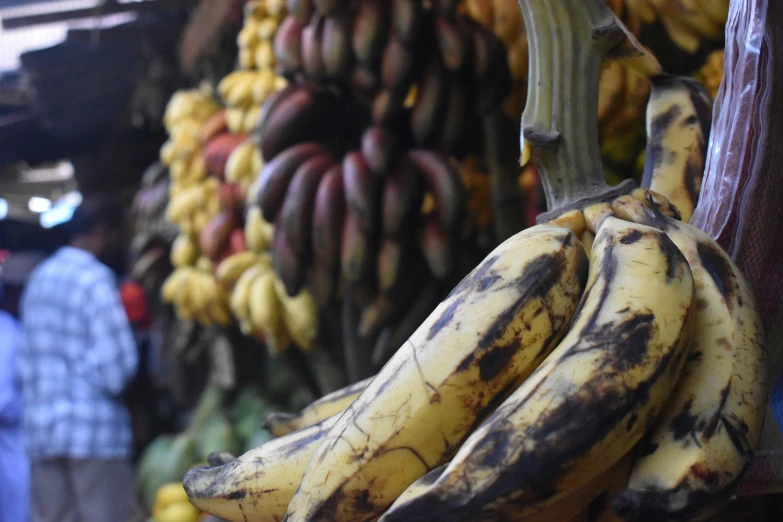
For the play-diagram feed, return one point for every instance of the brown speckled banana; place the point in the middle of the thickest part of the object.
(259, 484)
(706, 435)
(470, 353)
(591, 400)
(679, 115)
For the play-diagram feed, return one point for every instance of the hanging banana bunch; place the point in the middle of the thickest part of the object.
(245, 90)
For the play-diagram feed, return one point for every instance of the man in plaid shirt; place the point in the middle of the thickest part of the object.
(77, 356)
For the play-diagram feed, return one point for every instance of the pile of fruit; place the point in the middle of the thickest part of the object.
(609, 360)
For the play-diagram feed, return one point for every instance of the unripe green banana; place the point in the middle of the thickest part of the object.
(471, 352)
(705, 437)
(592, 399)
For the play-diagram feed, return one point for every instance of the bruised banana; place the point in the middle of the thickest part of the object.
(704, 438)
(496, 326)
(259, 484)
(280, 423)
(679, 115)
(591, 400)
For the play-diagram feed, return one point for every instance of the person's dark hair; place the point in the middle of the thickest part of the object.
(92, 212)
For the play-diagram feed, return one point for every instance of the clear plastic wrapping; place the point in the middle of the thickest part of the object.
(741, 203)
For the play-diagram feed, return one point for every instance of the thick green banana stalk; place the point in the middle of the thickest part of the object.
(591, 400)
(679, 116)
(259, 484)
(280, 424)
(475, 348)
(705, 437)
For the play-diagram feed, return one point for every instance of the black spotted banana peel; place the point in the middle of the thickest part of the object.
(475, 348)
(706, 435)
(259, 484)
(564, 510)
(679, 116)
(591, 400)
(280, 424)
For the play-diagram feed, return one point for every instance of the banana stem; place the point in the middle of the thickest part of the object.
(568, 40)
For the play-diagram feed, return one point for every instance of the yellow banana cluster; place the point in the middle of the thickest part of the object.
(195, 293)
(263, 308)
(172, 505)
(255, 39)
(244, 90)
(244, 165)
(613, 355)
(425, 440)
(184, 251)
(185, 115)
(192, 207)
(193, 196)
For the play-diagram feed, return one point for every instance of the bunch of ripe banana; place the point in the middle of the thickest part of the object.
(262, 306)
(243, 166)
(688, 23)
(613, 348)
(192, 206)
(245, 90)
(255, 39)
(195, 294)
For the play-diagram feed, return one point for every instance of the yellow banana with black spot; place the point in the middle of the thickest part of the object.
(591, 400)
(705, 437)
(679, 116)
(259, 484)
(492, 331)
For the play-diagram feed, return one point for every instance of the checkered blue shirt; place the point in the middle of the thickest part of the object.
(76, 358)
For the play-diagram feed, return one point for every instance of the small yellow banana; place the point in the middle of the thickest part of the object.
(240, 162)
(240, 296)
(184, 251)
(300, 315)
(265, 309)
(231, 268)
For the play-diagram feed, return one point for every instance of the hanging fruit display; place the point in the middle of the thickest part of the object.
(611, 329)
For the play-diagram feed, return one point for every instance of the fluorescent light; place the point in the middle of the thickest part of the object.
(38, 204)
(56, 216)
(3, 208)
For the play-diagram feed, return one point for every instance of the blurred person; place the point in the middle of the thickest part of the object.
(75, 363)
(14, 465)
